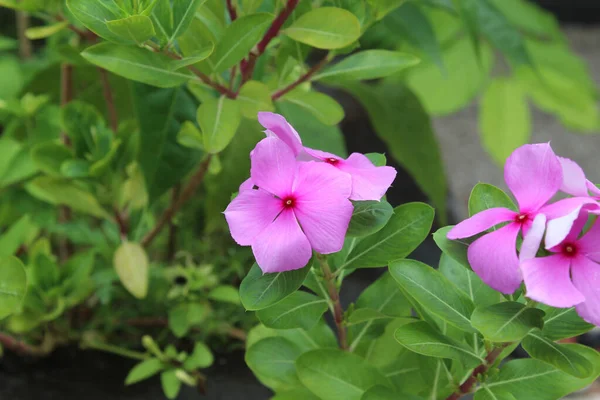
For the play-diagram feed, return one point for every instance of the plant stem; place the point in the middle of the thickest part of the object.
(338, 311)
(315, 68)
(109, 348)
(187, 192)
(19, 346)
(231, 10)
(65, 248)
(25, 48)
(108, 98)
(172, 242)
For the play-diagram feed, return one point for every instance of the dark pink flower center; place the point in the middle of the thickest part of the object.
(522, 218)
(288, 202)
(569, 249)
(331, 160)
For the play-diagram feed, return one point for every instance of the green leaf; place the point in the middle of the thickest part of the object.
(529, 18)
(190, 136)
(563, 356)
(68, 193)
(11, 77)
(79, 119)
(406, 229)
(254, 96)
(381, 8)
(49, 157)
(201, 357)
(258, 290)
(294, 394)
(321, 336)
(75, 169)
(200, 55)
(16, 235)
(486, 394)
(95, 13)
(421, 338)
(135, 29)
(13, 285)
(225, 293)
(485, 196)
(326, 109)
(131, 263)
(41, 32)
(506, 322)
(368, 64)
(136, 64)
(272, 359)
(334, 374)
(298, 310)
(183, 14)
(434, 292)
(144, 370)
(219, 120)
(185, 315)
(408, 134)
(361, 315)
(325, 28)
(456, 249)
(563, 323)
(369, 217)
(170, 383)
(504, 121)
(239, 38)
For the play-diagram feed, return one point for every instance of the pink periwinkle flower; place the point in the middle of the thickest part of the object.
(534, 175)
(571, 275)
(369, 182)
(298, 207)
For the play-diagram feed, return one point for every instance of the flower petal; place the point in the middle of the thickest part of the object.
(321, 155)
(250, 213)
(246, 185)
(282, 246)
(481, 222)
(574, 181)
(562, 215)
(589, 243)
(368, 181)
(494, 258)
(273, 166)
(586, 278)
(533, 238)
(277, 125)
(548, 280)
(533, 174)
(322, 206)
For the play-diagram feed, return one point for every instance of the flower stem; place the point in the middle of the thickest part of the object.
(314, 69)
(109, 348)
(109, 100)
(338, 311)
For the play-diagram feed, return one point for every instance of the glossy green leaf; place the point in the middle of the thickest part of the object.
(456, 249)
(562, 356)
(135, 29)
(434, 292)
(381, 8)
(361, 315)
(183, 14)
(321, 336)
(369, 64)
(506, 322)
(131, 263)
(273, 359)
(295, 394)
(563, 323)
(334, 374)
(13, 285)
(298, 310)
(144, 370)
(408, 134)
(239, 38)
(485, 196)
(369, 217)
(190, 136)
(219, 120)
(258, 290)
(41, 32)
(95, 13)
(171, 385)
(325, 28)
(225, 294)
(136, 64)
(49, 156)
(486, 394)
(199, 55)
(504, 120)
(201, 357)
(162, 17)
(325, 108)
(406, 229)
(254, 97)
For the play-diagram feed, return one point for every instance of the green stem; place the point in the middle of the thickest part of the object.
(109, 348)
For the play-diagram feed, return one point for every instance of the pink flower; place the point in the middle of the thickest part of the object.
(300, 207)
(533, 173)
(368, 181)
(571, 276)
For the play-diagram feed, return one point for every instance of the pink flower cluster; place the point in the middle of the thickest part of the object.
(568, 273)
(297, 199)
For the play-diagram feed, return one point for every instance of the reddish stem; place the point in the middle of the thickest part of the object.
(18, 346)
(231, 9)
(109, 100)
(314, 69)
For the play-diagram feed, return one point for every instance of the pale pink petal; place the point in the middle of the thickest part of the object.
(593, 188)
(574, 181)
(559, 226)
(322, 206)
(586, 278)
(358, 160)
(481, 221)
(273, 166)
(547, 280)
(533, 238)
(494, 258)
(533, 174)
(277, 125)
(250, 213)
(322, 155)
(246, 185)
(577, 227)
(282, 246)
(368, 181)
(589, 244)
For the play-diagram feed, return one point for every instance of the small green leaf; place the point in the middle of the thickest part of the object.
(183, 14)
(219, 121)
(325, 28)
(563, 356)
(254, 96)
(13, 285)
(294, 394)
(200, 55)
(131, 264)
(506, 322)
(185, 315)
(94, 15)
(41, 32)
(326, 109)
(361, 315)
(190, 136)
(272, 361)
(136, 29)
(144, 370)
(369, 217)
(225, 293)
(485, 196)
(457, 249)
(75, 168)
(201, 357)
(258, 290)
(49, 156)
(369, 64)
(421, 338)
(171, 385)
(563, 323)
(298, 310)
(16, 235)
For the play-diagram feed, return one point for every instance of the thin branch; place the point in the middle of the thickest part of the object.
(314, 69)
(231, 10)
(186, 194)
(122, 223)
(109, 100)
(19, 346)
(172, 242)
(25, 47)
(338, 311)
